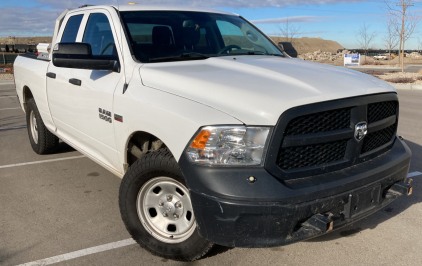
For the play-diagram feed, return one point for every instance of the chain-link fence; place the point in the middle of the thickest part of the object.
(7, 58)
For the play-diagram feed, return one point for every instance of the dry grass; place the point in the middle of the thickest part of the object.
(371, 63)
(401, 80)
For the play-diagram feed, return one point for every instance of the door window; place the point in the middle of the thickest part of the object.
(72, 27)
(98, 33)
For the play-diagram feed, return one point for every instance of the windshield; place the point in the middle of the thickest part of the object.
(158, 36)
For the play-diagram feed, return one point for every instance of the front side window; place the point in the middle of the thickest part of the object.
(99, 35)
(72, 27)
(171, 34)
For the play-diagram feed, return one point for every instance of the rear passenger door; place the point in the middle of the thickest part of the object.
(57, 81)
(87, 113)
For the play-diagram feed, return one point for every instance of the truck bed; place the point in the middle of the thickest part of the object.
(30, 72)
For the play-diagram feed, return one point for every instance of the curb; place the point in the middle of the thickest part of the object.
(3, 82)
(407, 87)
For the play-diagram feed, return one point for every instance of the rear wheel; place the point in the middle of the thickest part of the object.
(156, 208)
(42, 140)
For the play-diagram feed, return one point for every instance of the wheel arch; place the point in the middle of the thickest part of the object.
(26, 96)
(140, 143)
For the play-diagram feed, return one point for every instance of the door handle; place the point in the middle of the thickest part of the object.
(76, 82)
(51, 75)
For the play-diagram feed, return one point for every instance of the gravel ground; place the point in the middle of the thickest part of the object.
(6, 76)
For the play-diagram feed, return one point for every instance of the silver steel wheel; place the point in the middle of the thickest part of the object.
(34, 127)
(165, 210)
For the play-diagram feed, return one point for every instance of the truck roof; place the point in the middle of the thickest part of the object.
(141, 7)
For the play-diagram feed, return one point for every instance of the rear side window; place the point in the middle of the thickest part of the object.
(98, 33)
(72, 27)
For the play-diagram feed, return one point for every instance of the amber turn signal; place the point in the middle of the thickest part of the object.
(200, 140)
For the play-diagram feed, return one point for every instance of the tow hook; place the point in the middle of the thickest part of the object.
(322, 223)
(401, 188)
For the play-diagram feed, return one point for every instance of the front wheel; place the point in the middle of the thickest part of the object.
(156, 208)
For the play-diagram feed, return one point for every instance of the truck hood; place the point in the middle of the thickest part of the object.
(258, 89)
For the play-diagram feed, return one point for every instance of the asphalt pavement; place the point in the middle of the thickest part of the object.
(62, 209)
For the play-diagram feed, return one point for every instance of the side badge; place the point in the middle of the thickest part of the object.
(118, 118)
(105, 115)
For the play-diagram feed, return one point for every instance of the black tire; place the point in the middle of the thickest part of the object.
(47, 142)
(156, 164)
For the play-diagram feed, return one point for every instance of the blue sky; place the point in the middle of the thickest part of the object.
(337, 20)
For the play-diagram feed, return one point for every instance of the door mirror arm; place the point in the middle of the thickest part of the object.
(116, 66)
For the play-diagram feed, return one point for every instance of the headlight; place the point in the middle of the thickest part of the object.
(229, 145)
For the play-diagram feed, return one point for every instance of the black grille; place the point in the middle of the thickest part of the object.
(378, 138)
(316, 139)
(319, 122)
(379, 111)
(302, 156)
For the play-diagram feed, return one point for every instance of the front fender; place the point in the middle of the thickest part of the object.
(171, 118)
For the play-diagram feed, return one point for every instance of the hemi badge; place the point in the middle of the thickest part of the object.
(118, 118)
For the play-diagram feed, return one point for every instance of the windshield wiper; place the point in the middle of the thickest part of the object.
(257, 52)
(280, 55)
(263, 53)
(183, 56)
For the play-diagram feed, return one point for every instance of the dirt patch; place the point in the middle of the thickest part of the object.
(309, 45)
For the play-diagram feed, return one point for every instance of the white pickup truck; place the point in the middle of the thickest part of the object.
(381, 57)
(219, 135)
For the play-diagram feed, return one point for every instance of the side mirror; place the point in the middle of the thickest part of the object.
(288, 48)
(79, 55)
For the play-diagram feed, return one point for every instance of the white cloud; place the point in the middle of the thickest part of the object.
(63, 4)
(309, 34)
(19, 21)
(297, 19)
(204, 3)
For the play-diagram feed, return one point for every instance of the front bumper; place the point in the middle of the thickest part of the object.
(230, 211)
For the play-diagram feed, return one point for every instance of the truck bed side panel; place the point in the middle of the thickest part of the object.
(31, 73)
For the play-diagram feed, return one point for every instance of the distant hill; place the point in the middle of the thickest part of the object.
(302, 45)
(309, 45)
(25, 40)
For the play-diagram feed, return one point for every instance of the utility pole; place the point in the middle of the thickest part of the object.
(404, 6)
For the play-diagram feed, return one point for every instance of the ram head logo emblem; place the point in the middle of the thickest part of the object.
(361, 129)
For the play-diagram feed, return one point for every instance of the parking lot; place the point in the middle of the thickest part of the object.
(63, 209)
